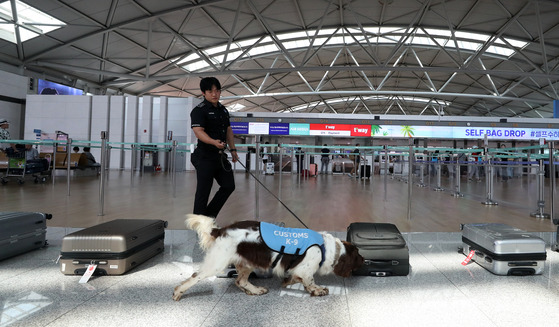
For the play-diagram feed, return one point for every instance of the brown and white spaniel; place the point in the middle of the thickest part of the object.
(241, 244)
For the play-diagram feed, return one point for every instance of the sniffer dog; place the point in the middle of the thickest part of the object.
(242, 244)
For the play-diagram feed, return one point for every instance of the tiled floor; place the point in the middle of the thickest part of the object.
(438, 292)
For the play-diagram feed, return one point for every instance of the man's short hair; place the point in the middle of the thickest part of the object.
(207, 83)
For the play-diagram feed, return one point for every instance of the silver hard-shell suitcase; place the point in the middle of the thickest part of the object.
(21, 232)
(503, 249)
(115, 246)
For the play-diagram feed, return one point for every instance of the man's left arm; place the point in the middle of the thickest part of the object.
(231, 144)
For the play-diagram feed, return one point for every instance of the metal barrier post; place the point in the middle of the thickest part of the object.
(280, 170)
(457, 182)
(102, 178)
(385, 169)
(438, 188)
(173, 169)
(488, 177)
(132, 163)
(541, 201)
(108, 163)
(410, 176)
(53, 172)
(551, 179)
(422, 174)
(257, 174)
(293, 161)
(68, 171)
(142, 158)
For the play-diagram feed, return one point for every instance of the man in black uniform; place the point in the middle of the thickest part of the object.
(210, 123)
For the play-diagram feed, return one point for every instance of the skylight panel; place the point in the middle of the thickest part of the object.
(438, 32)
(297, 44)
(196, 66)
(263, 49)
(391, 30)
(31, 22)
(215, 50)
(246, 43)
(471, 36)
(428, 37)
(500, 50)
(191, 57)
(516, 43)
(328, 31)
(294, 35)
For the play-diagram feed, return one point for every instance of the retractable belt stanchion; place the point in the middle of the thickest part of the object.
(410, 176)
(172, 167)
(457, 179)
(293, 161)
(257, 174)
(385, 169)
(107, 164)
(421, 182)
(539, 213)
(554, 247)
(102, 177)
(438, 164)
(132, 163)
(551, 180)
(53, 163)
(488, 175)
(280, 170)
(68, 171)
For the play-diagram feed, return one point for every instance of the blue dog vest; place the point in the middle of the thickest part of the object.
(294, 241)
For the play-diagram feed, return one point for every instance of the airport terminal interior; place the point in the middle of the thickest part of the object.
(439, 290)
(452, 104)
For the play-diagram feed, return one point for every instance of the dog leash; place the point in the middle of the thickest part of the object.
(264, 186)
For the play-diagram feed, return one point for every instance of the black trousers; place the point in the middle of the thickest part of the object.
(210, 166)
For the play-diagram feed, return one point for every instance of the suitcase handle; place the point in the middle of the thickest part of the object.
(382, 262)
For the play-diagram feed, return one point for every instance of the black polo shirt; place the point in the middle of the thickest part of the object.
(214, 120)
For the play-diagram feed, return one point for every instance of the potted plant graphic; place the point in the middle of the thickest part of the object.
(375, 129)
(407, 131)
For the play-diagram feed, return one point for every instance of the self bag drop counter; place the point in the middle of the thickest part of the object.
(503, 249)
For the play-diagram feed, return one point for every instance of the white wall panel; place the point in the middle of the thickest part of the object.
(128, 119)
(130, 126)
(99, 122)
(116, 129)
(51, 113)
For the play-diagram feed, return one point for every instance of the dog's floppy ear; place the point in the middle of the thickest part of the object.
(349, 261)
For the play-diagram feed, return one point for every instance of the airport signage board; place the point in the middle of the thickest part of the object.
(392, 131)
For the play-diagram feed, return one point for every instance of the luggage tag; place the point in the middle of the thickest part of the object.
(469, 257)
(88, 273)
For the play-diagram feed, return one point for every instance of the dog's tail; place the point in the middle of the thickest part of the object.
(203, 226)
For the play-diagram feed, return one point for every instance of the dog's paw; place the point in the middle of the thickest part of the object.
(257, 291)
(177, 294)
(320, 291)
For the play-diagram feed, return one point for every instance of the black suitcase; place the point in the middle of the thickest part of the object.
(382, 246)
(115, 246)
(365, 171)
(21, 232)
(35, 166)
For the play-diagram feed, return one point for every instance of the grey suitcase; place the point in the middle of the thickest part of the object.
(21, 232)
(503, 249)
(115, 246)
